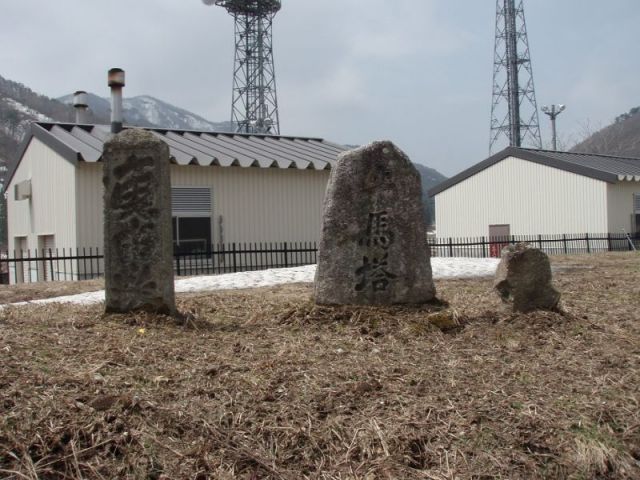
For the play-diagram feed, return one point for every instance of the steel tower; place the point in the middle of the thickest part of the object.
(254, 107)
(514, 112)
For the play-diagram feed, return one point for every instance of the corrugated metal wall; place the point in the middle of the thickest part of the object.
(620, 205)
(90, 204)
(52, 208)
(531, 198)
(260, 204)
(256, 204)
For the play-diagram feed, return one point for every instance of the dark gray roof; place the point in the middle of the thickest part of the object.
(84, 143)
(607, 168)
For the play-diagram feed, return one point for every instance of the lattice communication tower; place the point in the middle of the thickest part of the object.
(254, 107)
(514, 111)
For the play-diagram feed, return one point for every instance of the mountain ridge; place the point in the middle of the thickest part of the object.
(621, 138)
(148, 111)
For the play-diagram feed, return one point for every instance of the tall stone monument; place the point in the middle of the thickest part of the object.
(137, 224)
(373, 246)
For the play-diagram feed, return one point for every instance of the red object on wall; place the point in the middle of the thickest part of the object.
(495, 249)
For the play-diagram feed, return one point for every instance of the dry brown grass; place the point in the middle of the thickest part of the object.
(262, 384)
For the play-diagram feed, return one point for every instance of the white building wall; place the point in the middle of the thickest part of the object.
(90, 205)
(531, 198)
(620, 206)
(260, 205)
(50, 212)
(256, 204)
(51, 209)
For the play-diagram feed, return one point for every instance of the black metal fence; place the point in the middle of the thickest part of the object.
(244, 257)
(87, 263)
(30, 266)
(564, 244)
(60, 264)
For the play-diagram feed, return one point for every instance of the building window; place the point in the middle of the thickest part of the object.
(191, 234)
(191, 209)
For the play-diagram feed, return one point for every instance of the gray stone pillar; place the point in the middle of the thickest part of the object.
(138, 243)
(373, 246)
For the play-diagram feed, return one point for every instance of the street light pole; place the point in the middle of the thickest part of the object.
(553, 112)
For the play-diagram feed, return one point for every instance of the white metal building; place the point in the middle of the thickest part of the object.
(225, 187)
(530, 192)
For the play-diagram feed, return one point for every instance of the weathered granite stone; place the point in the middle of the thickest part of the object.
(137, 224)
(373, 246)
(524, 279)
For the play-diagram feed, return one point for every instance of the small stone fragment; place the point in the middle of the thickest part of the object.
(524, 279)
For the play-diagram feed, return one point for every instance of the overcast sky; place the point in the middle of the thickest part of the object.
(417, 72)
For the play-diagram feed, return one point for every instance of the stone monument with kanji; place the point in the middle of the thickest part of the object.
(373, 246)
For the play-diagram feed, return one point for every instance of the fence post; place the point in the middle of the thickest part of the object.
(564, 242)
(51, 266)
(177, 254)
(450, 247)
(286, 261)
(484, 247)
(586, 237)
(235, 267)
(29, 266)
(540, 241)
(609, 241)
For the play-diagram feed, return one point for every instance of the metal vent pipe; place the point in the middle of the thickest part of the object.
(81, 106)
(116, 83)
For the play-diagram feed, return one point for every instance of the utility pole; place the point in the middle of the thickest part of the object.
(553, 112)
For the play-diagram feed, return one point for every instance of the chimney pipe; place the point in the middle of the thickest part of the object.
(80, 103)
(116, 82)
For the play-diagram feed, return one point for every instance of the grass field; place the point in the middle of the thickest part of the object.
(263, 384)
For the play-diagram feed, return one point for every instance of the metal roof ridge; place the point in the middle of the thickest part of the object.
(562, 152)
(185, 130)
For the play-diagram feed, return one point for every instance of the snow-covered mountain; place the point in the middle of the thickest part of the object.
(19, 106)
(168, 116)
(147, 111)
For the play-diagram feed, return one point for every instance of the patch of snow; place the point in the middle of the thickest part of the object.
(28, 111)
(442, 268)
(463, 267)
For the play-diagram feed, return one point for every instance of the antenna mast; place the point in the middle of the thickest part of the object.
(254, 107)
(514, 111)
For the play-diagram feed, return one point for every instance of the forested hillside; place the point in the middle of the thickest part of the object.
(20, 105)
(430, 178)
(622, 137)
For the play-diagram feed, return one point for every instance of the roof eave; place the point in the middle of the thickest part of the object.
(42, 134)
(530, 156)
(469, 172)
